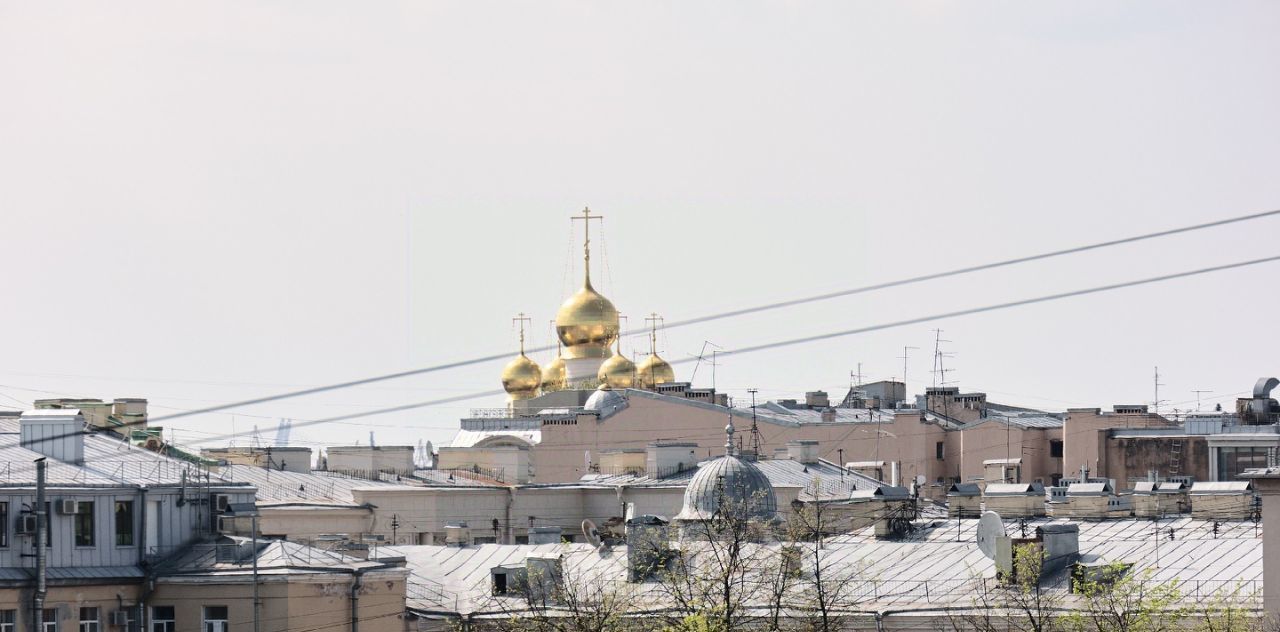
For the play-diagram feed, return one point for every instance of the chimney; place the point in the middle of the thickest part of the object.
(1057, 544)
(57, 434)
(545, 535)
(457, 534)
(817, 399)
(664, 458)
(803, 451)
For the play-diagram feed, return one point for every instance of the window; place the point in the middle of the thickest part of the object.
(88, 620)
(1234, 461)
(939, 448)
(1055, 448)
(4, 528)
(50, 623)
(84, 524)
(162, 619)
(124, 523)
(8, 620)
(215, 619)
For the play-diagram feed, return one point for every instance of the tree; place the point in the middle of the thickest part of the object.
(721, 569)
(822, 589)
(1115, 600)
(557, 595)
(1020, 602)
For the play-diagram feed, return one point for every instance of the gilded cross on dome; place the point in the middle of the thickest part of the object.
(586, 238)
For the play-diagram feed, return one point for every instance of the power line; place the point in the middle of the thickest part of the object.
(828, 336)
(743, 311)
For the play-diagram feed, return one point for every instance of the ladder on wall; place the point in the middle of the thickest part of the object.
(1175, 459)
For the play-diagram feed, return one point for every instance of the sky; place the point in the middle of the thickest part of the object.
(202, 203)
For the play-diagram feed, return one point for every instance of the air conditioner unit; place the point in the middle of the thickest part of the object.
(67, 507)
(221, 502)
(26, 524)
(119, 618)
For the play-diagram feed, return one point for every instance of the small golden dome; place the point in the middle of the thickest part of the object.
(554, 376)
(587, 324)
(654, 371)
(522, 378)
(617, 372)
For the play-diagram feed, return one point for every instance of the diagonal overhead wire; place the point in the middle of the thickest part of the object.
(825, 336)
(740, 312)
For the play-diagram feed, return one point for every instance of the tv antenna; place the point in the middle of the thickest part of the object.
(1155, 380)
(905, 353)
(702, 356)
(1198, 392)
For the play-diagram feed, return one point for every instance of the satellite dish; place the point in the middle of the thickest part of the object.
(591, 533)
(920, 479)
(990, 529)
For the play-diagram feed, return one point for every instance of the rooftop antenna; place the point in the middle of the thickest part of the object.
(1198, 393)
(855, 377)
(702, 356)
(939, 367)
(937, 355)
(755, 429)
(728, 431)
(1155, 380)
(905, 353)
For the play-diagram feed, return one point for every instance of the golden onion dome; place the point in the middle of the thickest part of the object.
(654, 371)
(587, 324)
(554, 375)
(617, 372)
(522, 378)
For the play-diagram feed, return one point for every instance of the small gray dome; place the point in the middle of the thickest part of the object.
(730, 481)
(605, 402)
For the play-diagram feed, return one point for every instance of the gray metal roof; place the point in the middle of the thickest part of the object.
(108, 460)
(937, 566)
(276, 486)
(1220, 487)
(1013, 489)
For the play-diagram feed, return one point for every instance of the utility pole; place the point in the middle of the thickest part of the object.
(42, 559)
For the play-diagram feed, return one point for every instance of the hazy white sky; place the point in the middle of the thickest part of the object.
(202, 203)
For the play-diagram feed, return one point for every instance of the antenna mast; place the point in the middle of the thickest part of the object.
(1198, 393)
(904, 368)
(1155, 380)
(755, 429)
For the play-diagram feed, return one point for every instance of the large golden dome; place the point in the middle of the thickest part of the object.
(654, 371)
(587, 324)
(617, 372)
(522, 378)
(554, 376)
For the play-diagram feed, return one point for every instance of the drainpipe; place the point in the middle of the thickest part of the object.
(356, 584)
(142, 529)
(511, 499)
(42, 559)
(256, 602)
